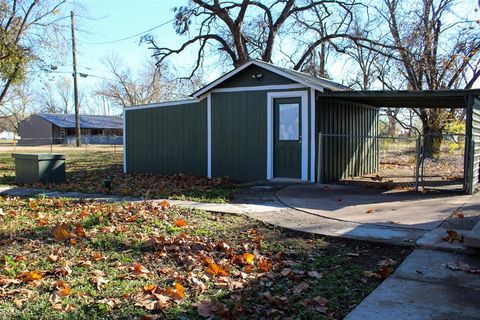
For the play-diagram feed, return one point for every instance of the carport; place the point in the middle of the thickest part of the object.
(467, 99)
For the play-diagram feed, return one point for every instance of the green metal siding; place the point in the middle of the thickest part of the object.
(347, 147)
(472, 148)
(167, 140)
(239, 135)
(244, 79)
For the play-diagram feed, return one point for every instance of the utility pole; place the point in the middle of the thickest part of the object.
(75, 84)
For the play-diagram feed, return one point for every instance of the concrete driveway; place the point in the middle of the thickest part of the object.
(365, 205)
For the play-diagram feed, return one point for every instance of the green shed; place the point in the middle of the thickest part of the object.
(257, 122)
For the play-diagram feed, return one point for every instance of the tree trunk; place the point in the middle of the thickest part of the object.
(432, 137)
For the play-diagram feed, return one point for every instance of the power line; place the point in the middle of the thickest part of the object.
(83, 75)
(129, 37)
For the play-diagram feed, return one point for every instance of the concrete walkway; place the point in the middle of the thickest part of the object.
(373, 206)
(423, 287)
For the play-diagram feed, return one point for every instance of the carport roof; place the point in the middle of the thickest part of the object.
(407, 98)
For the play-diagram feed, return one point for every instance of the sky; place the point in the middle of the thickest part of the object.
(101, 21)
(100, 24)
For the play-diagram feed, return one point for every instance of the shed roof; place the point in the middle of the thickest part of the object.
(86, 121)
(407, 98)
(308, 80)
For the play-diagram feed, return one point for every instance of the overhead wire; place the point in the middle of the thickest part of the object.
(129, 37)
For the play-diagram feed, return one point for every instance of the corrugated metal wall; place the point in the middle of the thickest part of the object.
(473, 145)
(167, 140)
(35, 131)
(239, 134)
(347, 144)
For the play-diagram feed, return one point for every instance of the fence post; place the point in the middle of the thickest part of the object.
(472, 178)
(418, 147)
(319, 155)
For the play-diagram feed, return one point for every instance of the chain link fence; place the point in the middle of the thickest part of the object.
(434, 162)
(66, 144)
(442, 162)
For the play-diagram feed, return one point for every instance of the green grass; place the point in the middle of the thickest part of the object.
(87, 170)
(121, 234)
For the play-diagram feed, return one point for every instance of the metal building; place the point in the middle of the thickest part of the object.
(262, 122)
(52, 128)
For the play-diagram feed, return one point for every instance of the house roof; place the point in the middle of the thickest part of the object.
(455, 98)
(308, 80)
(86, 121)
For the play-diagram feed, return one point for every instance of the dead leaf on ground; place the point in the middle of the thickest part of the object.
(60, 232)
(315, 274)
(139, 269)
(215, 270)
(453, 236)
(386, 271)
(458, 265)
(180, 223)
(178, 293)
(370, 274)
(63, 288)
(111, 302)
(208, 309)
(5, 281)
(164, 205)
(96, 256)
(265, 265)
(457, 214)
(52, 258)
(79, 231)
(386, 262)
(98, 280)
(30, 276)
(248, 258)
(300, 288)
(286, 272)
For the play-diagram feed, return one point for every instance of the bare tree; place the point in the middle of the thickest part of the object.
(243, 30)
(55, 96)
(26, 27)
(436, 48)
(17, 105)
(129, 87)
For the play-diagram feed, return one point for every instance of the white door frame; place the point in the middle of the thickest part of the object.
(270, 138)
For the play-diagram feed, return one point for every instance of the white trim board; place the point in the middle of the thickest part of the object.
(162, 104)
(261, 88)
(260, 64)
(124, 142)
(209, 135)
(304, 152)
(312, 134)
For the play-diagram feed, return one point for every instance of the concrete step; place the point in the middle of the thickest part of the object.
(424, 288)
(472, 239)
(434, 240)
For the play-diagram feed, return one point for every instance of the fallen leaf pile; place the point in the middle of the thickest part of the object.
(148, 186)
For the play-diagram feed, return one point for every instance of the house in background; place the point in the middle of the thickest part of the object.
(51, 128)
(7, 135)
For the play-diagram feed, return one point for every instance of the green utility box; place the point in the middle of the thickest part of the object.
(39, 167)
